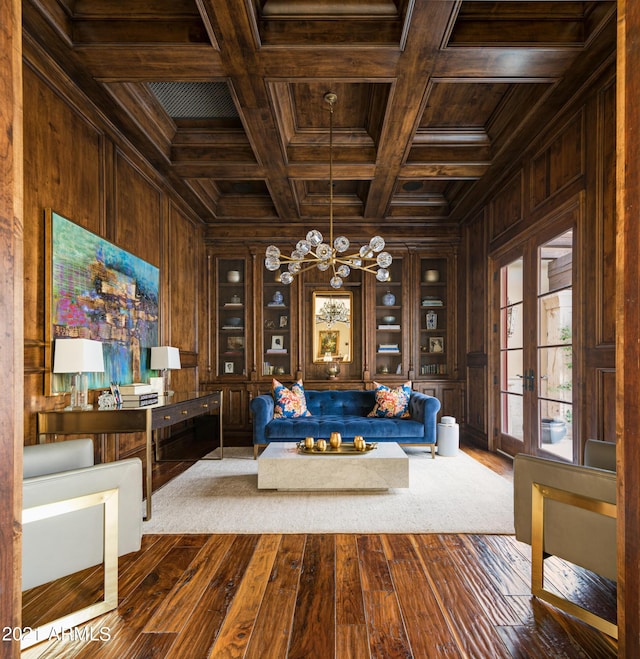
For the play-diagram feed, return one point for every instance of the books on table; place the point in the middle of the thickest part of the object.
(138, 394)
(139, 400)
(137, 388)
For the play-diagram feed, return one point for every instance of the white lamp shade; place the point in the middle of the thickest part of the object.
(78, 356)
(165, 357)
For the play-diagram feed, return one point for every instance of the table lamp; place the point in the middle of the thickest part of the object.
(78, 356)
(165, 358)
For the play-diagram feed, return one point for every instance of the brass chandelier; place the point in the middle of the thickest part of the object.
(313, 251)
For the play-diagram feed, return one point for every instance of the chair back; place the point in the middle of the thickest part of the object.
(601, 455)
(42, 459)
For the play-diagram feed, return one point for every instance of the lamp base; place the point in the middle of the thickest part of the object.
(80, 392)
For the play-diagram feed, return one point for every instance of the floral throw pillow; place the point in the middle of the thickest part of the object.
(392, 403)
(289, 403)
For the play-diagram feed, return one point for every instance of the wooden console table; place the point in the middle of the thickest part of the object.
(179, 407)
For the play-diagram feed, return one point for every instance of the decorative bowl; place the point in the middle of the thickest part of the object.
(234, 321)
(389, 319)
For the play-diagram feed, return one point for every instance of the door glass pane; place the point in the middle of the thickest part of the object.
(555, 347)
(513, 282)
(511, 321)
(513, 371)
(512, 416)
(512, 400)
(555, 374)
(511, 352)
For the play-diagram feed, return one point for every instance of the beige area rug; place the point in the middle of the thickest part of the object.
(447, 495)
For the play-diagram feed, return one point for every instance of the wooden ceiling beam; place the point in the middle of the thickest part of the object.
(239, 55)
(429, 23)
(494, 64)
(158, 62)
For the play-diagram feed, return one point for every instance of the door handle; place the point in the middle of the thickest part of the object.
(530, 380)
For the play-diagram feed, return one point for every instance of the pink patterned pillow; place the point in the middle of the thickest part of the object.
(289, 403)
(392, 403)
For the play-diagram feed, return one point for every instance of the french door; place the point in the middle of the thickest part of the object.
(533, 347)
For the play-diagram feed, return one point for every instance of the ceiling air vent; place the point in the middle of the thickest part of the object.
(195, 100)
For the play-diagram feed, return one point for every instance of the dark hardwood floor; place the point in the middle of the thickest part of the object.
(328, 595)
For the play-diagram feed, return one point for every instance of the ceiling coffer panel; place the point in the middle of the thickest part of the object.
(326, 23)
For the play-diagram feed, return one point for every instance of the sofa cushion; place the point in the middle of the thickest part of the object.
(289, 403)
(372, 429)
(334, 401)
(392, 403)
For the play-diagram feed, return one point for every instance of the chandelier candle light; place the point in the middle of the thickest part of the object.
(313, 251)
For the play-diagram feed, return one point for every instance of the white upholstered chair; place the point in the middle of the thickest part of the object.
(569, 511)
(77, 515)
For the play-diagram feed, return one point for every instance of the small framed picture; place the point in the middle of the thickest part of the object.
(432, 320)
(235, 343)
(228, 367)
(277, 342)
(284, 321)
(436, 344)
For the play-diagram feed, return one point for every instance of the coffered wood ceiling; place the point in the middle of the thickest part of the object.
(435, 98)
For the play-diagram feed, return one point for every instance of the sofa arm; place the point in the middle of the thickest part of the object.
(262, 409)
(425, 408)
(579, 536)
(55, 547)
(41, 459)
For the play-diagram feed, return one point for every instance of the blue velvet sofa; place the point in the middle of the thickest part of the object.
(346, 412)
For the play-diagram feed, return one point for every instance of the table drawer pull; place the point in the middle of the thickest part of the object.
(205, 405)
(167, 417)
(185, 412)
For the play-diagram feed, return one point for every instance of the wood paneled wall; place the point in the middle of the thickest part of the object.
(574, 157)
(77, 164)
(11, 274)
(477, 320)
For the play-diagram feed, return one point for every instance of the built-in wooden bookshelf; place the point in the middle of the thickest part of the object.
(231, 317)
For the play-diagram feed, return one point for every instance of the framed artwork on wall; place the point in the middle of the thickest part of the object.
(97, 290)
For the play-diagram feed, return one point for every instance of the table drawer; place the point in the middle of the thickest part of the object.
(167, 415)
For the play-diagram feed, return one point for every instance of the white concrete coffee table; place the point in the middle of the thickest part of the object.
(282, 467)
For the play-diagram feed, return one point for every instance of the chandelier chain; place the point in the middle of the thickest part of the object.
(314, 252)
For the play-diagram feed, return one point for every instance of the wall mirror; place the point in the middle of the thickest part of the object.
(332, 326)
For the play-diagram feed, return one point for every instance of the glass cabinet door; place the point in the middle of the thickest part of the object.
(433, 336)
(389, 323)
(232, 317)
(276, 328)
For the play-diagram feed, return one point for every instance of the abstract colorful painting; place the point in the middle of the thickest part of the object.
(100, 291)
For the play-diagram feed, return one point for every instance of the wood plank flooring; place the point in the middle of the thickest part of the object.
(328, 595)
